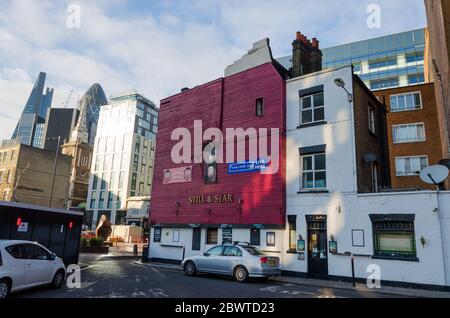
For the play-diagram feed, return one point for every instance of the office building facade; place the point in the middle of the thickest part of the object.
(123, 159)
(395, 60)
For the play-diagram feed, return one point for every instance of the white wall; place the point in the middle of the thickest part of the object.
(354, 214)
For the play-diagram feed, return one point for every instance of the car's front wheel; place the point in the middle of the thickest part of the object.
(240, 274)
(5, 287)
(189, 268)
(58, 279)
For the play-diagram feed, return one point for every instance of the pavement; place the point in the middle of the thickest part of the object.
(387, 290)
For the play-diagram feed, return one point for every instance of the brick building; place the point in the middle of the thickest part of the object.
(414, 134)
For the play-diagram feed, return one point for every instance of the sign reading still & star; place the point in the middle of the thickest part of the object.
(211, 199)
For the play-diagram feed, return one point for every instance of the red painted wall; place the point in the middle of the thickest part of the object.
(223, 103)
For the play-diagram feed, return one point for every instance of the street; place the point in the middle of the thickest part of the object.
(124, 278)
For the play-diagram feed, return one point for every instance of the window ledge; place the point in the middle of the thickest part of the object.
(312, 191)
(396, 258)
(319, 123)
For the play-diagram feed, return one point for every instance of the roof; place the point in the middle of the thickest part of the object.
(38, 208)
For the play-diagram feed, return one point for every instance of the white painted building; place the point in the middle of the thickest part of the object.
(329, 220)
(123, 156)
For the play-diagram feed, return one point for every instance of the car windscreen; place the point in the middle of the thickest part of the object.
(252, 250)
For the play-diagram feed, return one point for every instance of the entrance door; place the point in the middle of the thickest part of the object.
(196, 237)
(317, 249)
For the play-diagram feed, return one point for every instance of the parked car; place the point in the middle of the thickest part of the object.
(240, 260)
(25, 264)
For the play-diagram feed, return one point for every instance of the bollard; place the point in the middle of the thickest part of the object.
(135, 250)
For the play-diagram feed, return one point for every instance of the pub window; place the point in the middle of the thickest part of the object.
(157, 235)
(314, 174)
(211, 236)
(255, 237)
(372, 128)
(270, 239)
(259, 107)
(292, 219)
(176, 236)
(227, 236)
(394, 239)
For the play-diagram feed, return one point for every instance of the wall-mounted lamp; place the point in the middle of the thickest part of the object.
(435, 210)
(177, 206)
(423, 241)
(340, 83)
(332, 238)
(300, 237)
(338, 209)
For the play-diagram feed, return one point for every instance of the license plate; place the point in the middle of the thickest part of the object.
(273, 262)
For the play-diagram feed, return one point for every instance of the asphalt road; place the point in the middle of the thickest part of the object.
(126, 279)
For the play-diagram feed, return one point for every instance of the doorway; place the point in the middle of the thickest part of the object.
(317, 246)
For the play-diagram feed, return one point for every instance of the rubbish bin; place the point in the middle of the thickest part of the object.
(145, 254)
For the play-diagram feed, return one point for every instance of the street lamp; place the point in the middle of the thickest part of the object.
(340, 83)
(54, 169)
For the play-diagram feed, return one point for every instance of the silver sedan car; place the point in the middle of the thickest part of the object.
(240, 260)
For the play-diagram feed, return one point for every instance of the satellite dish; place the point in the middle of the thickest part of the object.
(434, 174)
(370, 157)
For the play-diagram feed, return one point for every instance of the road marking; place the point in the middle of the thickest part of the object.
(277, 290)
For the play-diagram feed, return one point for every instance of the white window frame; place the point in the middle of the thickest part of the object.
(411, 174)
(313, 120)
(409, 141)
(176, 236)
(404, 96)
(313, 171)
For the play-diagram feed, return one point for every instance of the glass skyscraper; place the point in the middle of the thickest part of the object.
(34, 113)
(390, 61)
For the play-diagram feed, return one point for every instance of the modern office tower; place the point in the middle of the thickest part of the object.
(34, 111)
(93, 99)
(59, 122)
(122, 165)
(395, 60)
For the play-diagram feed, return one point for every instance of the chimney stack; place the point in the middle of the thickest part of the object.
(306, 56)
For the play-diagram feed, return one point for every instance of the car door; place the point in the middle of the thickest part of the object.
(16, 264)
(231, 257)
(39, 266)
(209, 261)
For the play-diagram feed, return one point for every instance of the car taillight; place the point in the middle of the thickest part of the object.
(263, 260)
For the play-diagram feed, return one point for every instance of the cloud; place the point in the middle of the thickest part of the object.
(158, 47)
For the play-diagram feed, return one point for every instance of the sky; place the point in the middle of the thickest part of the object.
(160, 46)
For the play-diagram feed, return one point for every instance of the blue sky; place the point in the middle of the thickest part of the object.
(157, 47)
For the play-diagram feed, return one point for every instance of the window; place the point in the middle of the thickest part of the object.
(408, 133)
(259, 107)
(35, 252)
(410, 166)
(211, 236)
(9, 177)
(270, 239)
(384, 83)
(394, 239)
(313, 169)
(255, 237)
(374, 177)
(1, 176)
(16, 251)
(416, 79)
(101, 200)
(93, 200)
(406, 102)
(414, 57)
(103, 182)
(231, 251)
(98, 161)
(312, 109)
(176, 236)
(157, 235)
(133, 181)
(227, 236)
(371, 119)
(253, 250)
(110, 200)
(357, 68)
(215, 251)
(385, 62)
(292, 219)
(121, 176)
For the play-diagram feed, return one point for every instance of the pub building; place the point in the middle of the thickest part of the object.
(215, 202)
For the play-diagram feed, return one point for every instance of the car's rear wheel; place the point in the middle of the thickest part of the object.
(189, 268)
(240, 274)
(58, 279)
(5, 287)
